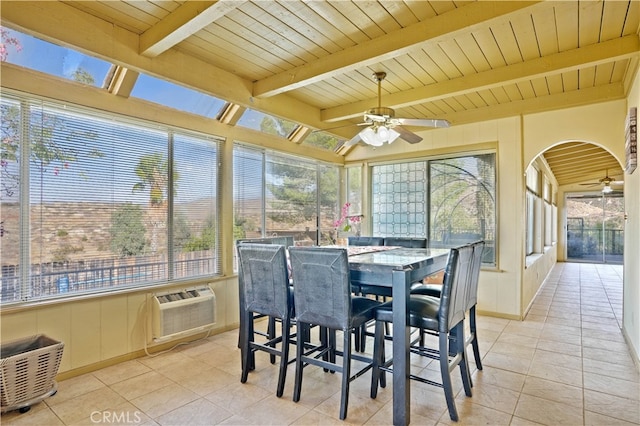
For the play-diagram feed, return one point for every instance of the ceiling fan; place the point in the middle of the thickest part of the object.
(607, 183)
(383, 127)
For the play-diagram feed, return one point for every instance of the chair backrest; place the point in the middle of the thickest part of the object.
(410, 242)
(322, 286)
(366, 241)
(474, 274)
(283, 241)
(264, 279)
(454, 288)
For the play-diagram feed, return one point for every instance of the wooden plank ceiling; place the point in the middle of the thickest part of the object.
(463, 61)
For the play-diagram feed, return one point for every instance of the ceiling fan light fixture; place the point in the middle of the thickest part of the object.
(607, 189)
(378, 136)
(370, 137)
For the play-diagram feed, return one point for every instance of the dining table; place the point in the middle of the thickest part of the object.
(398, 268)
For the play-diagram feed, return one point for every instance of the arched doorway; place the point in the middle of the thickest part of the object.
(590, 200)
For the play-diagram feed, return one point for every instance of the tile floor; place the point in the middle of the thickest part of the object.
(567, 363)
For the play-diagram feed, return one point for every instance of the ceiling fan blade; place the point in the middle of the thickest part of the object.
(354, 140)
(407, 135)
(423, 122)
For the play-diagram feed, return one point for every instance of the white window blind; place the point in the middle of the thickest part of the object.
(101, 212)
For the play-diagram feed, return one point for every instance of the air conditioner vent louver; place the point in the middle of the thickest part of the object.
(176, 314)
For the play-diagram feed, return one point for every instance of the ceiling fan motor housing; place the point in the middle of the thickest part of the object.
(382, 111)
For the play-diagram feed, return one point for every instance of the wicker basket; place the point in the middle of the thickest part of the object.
(29, 367)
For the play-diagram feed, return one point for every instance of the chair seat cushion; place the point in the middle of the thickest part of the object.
(427, 290)
(362, 310)
(423, 312)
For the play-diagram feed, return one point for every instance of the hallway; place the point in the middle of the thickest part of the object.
(566, 363)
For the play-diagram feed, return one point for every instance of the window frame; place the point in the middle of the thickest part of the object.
(25, 279)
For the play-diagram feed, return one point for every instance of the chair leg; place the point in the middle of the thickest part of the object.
(297, 386)
(474, 335)
(284, 356)
(377, 375)
(271, 334)
(446, 377)
(460, 349)
(245, 347)
(346, 375)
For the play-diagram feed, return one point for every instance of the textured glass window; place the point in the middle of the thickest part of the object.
(450, 201)
(399, 199)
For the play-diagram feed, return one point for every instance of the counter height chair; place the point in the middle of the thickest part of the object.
(385, 292)
(411, 242)
(443, 317)
(264, 283)
(323, 297)
(471, 298)
(286, 241)
(366, 241)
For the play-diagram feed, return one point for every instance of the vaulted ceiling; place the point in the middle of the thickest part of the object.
(312, 61)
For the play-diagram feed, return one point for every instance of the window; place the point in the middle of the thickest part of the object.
(451, 201)
(39, 55)
(172, 95)
(280, 195)
(107, 203)
(257, 120)
(321, 140)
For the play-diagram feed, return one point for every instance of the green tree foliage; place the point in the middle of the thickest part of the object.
(83, 76)
(295, 188)
(322, 140)
(153, 172)
(205, 241)
(276, 126)
(54, 146)
(128, 233)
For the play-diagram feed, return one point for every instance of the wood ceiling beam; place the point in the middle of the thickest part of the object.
(545, 103)
(392, 45)
(186, 20)
(570, 60)
(62, 24)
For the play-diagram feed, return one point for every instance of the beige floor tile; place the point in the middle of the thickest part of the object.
(507, 362)
(613, 386)
(81, 407)
(74, 387)
(141, 385)
(38, 415)
(164, 400)
(198, 412)
(547, 412)
(612, 406)
(471, 413)
(595, 419)
(553, 391)
(119, 372)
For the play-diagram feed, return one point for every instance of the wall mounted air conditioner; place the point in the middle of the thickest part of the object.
(180, 313)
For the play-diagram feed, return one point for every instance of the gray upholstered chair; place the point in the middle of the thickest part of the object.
(471, 298)
(265, 289)
(411, 242)
(444, 317)
(366, 241)
(323, 297)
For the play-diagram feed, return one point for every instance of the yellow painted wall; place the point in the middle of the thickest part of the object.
(104, 330)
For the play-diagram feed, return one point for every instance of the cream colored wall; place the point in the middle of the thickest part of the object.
(631, 292)
(104, 330)
(499, 290)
